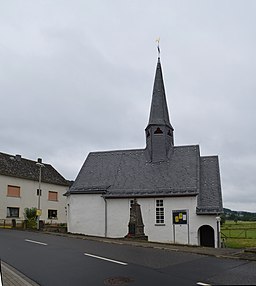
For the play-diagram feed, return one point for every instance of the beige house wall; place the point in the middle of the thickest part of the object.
(28, 198)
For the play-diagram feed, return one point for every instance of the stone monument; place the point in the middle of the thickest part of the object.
(136, 226)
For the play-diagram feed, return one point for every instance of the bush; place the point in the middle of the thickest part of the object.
(30, 217)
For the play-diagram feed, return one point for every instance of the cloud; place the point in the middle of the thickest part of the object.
(77, 77)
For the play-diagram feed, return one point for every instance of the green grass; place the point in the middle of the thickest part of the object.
(240, 243)
(239, 235)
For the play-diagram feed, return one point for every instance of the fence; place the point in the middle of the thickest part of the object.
(243, 233)
(23, 224)
(12, 223)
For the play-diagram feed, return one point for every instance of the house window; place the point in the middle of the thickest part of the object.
(159, 212)
(52, 214)
(53, 196)
(13, 212)
(13, 191)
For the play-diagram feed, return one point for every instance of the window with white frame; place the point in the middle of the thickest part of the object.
(159, 211)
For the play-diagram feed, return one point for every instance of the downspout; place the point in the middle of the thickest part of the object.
(106, 216)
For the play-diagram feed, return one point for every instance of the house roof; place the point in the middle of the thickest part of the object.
(16, 166)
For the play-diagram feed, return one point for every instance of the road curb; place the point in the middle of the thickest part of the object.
(226, 253)
(13, 277)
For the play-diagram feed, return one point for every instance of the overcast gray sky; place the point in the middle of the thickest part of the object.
(76, 76)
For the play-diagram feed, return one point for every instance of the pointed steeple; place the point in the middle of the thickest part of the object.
(159, 132)
(159, 110)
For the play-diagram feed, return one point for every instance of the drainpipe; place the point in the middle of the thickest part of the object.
(218, 219)
(106, 216)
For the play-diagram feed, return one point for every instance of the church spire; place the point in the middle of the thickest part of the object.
(159, 132)
(159, 110)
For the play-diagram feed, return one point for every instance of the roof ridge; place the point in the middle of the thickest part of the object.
(22, 158)
(209, 156)
(116, 151)
(186, 146)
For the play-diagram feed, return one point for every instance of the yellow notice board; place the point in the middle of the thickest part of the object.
(180, 217)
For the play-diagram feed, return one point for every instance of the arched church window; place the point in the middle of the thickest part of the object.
(169, 133)
(158, 131)
(148, 133)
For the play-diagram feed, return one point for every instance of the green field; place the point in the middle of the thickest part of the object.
(239, 235)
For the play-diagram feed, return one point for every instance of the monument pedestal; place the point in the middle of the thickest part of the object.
(136, 226)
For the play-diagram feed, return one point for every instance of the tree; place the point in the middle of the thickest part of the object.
(223, 219)
(30, 217)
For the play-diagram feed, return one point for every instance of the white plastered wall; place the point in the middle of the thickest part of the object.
(86, 214)
(92, 215)
(119, 211)
(118, 216)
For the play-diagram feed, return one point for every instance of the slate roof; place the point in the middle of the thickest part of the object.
(129, 174)
(210, 198)
(16, 166)
(159, 111)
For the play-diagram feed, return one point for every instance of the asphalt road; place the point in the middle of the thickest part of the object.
(56, 260)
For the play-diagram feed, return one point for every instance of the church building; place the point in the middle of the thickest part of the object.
(175, 190)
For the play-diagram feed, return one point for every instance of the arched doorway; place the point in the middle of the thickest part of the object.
(206, 234)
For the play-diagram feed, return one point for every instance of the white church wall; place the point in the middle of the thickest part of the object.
(118, 216)
(165, 232)
(86, 214)
(175, 233)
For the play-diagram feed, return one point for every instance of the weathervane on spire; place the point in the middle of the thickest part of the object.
(158, 48)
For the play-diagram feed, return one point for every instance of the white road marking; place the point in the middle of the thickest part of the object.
(203, 284)
(107, 259)
(37, 242)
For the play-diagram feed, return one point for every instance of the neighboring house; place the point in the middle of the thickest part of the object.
(178, 190)
(19, 189)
